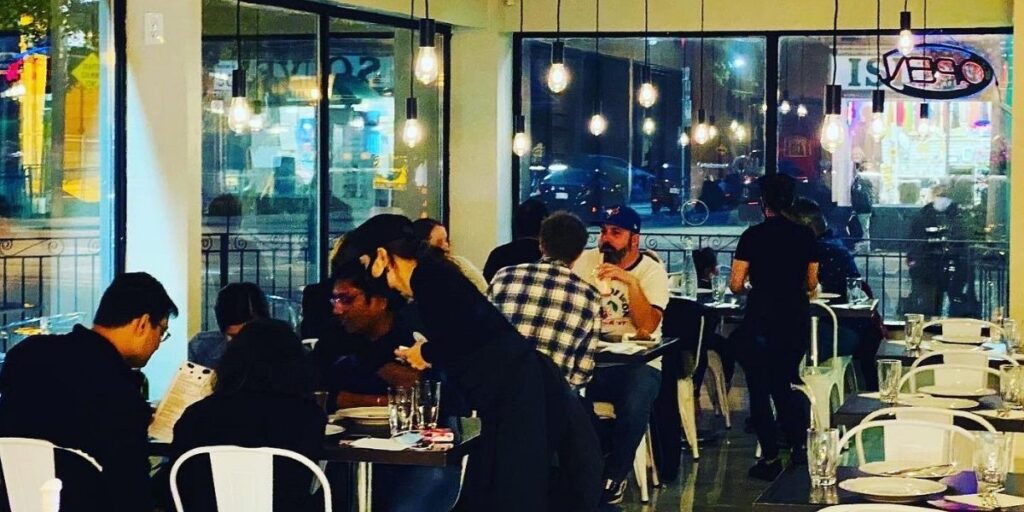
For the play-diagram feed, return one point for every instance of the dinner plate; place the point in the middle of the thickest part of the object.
(938, 402)
(926, 469)
(955, 391)
(366, 415)
(873, 507)
(961, 340)
(892, 489)
(332, 430)
(828, 296)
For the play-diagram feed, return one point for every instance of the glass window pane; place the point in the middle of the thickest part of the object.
(923, 202)
(56, 157)
(260, 177)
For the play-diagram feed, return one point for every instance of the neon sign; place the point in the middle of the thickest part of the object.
(936, 72)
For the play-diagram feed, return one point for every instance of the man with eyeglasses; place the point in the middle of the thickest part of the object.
(78, 390)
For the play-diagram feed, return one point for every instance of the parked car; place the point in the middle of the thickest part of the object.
(587, 184)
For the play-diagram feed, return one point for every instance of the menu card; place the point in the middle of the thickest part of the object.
(191, 383)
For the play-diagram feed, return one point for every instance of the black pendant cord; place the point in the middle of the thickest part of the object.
(238, 34)
(647, 41)
(924, 30)
(558, 20)
(412, 48)
(878, 43)
(597, 55)
(701, 54)
(521, 3)
(835, 40)
(426, 8)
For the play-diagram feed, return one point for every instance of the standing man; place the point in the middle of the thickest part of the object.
(780, 259)
(78, 390)
(634, 289)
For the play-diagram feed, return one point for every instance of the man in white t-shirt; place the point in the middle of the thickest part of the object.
(634, 289)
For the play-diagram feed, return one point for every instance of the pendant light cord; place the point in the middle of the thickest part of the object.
(647, 41)
(558, 20)
(426, 4)
(597, 54)
(835, 39)
(412, 48)
(878, 43)
(702, 54)
(238, 33)
(521, 3)
(924, 32)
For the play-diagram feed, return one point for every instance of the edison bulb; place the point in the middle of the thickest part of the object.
(648, 95)
(412, 132)
(426, 65)
(764, 108)
(684, 139)
(649, 126)
(878, 127)
(521, 144)
(785, 107)
(712, 132)
(734, 125)
(598, 124)
(701, 134)
(906, 42)
(801, 110)
(924, 127)
(256, 123)
(558, 77)
(239, 114)
(740, 133)
(833, 133)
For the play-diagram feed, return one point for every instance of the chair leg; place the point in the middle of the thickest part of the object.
(640, 471)
(649, 442)
(688, 413)
(718, 381)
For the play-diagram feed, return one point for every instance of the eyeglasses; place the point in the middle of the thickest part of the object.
(166, 335)
(342, 299)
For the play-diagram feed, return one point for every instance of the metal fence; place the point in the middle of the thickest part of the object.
(48, 275)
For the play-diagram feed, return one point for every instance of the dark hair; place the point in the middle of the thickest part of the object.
(265, 357)
(777, 192)
(132, 295)
(527, 219)
(354, 274)
(807, 212)
(422, 228)
(563, 237)
(238, 303)
(704, 259)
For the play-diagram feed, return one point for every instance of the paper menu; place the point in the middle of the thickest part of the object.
(190, 384)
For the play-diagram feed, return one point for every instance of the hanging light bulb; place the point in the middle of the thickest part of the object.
(648, 94)
(833, 130)
(734, 125)
(878, 114)
(558, 75)
(427, 66)
(712, 129)
(597, 125)
(684, 137)
(256, 122)
(801, 110)
(649, 126)
(785, 107)
(239, 112)
(701, 133)
(905, 44)
(764, 108)
(520, 141)
(739, 134)
(924, 122)
(412, 131)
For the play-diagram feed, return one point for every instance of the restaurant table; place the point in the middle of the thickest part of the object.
(608, 358)
(792, 492)
(889, 350)
(856, 408)
(467, 433)
(842, 311)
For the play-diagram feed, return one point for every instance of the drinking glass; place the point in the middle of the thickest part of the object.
(401, 409)
(822, 456)
(913, 331)
(889, 373)
(429, 403)
(1011, 336)
(718, 285)
(1011, 381)
(991, 461)
(322, 400)
(853, 290)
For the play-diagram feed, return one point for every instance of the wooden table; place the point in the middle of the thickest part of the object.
(856, 408)
(792, 492)
(608, 358)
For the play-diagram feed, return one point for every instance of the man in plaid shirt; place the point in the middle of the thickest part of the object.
(549, 305)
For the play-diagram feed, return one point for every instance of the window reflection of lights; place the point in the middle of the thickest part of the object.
(739, 63)
(649, 126)
(537, 168)
(801, 110)
(557, 167)
(357, 121)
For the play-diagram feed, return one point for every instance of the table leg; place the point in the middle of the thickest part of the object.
(364, 486)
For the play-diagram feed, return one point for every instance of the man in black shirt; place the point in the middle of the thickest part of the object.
(78, 390)
(780, 259)
(525, 248)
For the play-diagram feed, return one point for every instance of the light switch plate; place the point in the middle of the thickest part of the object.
(154, 28)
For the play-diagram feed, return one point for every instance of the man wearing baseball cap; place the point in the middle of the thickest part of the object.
(634, 294)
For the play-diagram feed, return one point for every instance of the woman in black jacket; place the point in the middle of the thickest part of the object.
(526, 409)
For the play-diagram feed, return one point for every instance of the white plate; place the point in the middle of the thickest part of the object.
(330, 430)
(956, 391)
(374, 415)
(892, 489)
(828, 296)
(880, 468)
(938, 402)
(961, 340)
(873, 507)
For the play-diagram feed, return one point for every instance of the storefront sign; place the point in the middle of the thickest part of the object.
(936, 72)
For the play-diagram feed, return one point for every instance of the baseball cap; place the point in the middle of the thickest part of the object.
(621, 216)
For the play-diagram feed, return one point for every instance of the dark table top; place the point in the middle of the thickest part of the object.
(467, 433)
(888, 350)
(608, 358)
(792, 492)
(842, 311)
(855, 408)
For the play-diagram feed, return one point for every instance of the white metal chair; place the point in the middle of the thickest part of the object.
(687, 402)
(962, 376)
(965, 327)
(826, 380)
(28, 464)
(919, 441)
(243, 478)
(720, 396)
(897, 438)
(968, 357)
(644, 458)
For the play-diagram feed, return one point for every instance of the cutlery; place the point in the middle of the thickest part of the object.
(931, 468)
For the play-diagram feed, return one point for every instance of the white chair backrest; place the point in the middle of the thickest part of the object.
(961, 376)
(835, 331)
(243, 478)
(927, 442)
(960, 357)
(27, 465)
(965, 327)
(897, 438)
(700, 343)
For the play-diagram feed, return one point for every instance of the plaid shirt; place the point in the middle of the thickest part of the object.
(554, 309)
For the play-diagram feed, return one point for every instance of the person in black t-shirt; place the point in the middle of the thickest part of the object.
(780, 260)
(525, 248)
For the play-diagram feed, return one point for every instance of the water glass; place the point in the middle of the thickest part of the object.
(429, 403)
(854, 293)
(822, 456)
(1011, 336)
(718, 286)
(991, 460)
(322, 399)
(913, 331)
(401, 409)
(1011, 385)
(889, 373)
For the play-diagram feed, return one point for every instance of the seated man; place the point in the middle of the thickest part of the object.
(525, 248)
(237, 304)
(634, 289)
(553, 308)
(78, 390)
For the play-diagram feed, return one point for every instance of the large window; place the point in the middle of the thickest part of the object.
(318, 156)
(56, 157)
(639, 161)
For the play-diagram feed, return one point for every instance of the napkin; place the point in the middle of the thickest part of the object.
(852, 306)
(625, 348)
(374, 443)
(1010, 415)
(1004, 500)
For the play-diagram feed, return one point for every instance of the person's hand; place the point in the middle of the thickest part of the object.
(413, 356)
(609, 271)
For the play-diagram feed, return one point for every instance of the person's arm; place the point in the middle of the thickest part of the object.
(583, 365)
(645, 317)
(812, 276)
(738, 278)
(348, 399)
